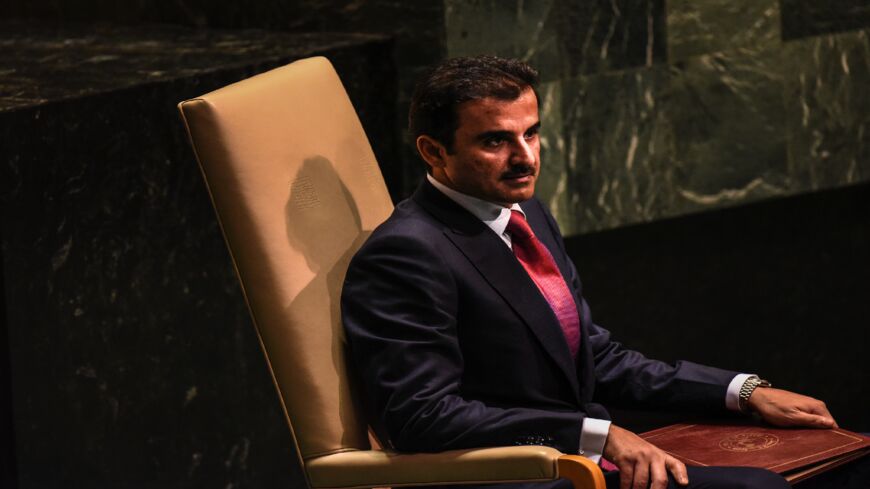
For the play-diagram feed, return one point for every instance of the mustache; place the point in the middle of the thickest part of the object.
(518, 171)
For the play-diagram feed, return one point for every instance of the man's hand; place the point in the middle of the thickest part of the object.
(641, 465)
(784, 408)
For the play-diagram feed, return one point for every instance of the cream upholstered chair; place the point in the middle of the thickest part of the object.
(297, 189)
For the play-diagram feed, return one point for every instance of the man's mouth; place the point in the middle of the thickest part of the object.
(518, 173)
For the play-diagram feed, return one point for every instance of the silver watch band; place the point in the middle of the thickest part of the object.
(746, 390)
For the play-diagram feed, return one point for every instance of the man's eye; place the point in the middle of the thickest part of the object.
(493, 142)
(531, 133)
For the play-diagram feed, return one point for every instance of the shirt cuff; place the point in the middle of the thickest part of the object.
(732, 395)
(593, 436)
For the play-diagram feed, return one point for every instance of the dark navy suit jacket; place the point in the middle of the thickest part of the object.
(456, 347)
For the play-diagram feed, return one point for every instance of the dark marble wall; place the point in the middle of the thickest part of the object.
(417, 27)
(561, 38)
(120, 366)
(8, 468)
(804, 18)
(652, 108)
(775, 287)
(133, 359)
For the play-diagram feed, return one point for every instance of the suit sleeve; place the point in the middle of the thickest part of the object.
(399, 308)
(627, 378)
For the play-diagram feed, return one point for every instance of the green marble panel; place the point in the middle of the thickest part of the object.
(725, 111)
(559, 37)
(608, 152)
(603, 35)
(509, 28)
(552, 178)
(713, 131)
(803, 18)
(701, 27)
(652, 143)
(829, 109)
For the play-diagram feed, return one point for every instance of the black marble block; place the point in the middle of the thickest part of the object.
(133, 360)
(7, 432)
(417, 27)
(803, 18)
(777, 288)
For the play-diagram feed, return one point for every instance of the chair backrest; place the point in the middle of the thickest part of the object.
(297, 190)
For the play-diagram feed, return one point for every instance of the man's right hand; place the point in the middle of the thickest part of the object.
(641, 465)
(784, 408)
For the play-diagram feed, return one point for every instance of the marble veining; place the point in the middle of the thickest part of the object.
(560, 37)
(829, 113)
(481, 28)
(84, 60)
(696, 28)
(712, 131)
(805, 18)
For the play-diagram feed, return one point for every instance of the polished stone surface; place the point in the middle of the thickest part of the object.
(516, 29)
(775, 287)
(603, 35)
(43, 63)
(133, 359)
(711, 131)
(696, 28)
(828, 109)
(560, 37)
(803, 18)
(8, 469)
(689, 44)
(417, 27)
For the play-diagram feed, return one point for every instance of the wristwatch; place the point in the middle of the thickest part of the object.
(749, 386)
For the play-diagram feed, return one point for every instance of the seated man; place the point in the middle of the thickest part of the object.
(466, 319)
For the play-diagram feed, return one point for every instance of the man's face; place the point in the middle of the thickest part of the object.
(496, 151)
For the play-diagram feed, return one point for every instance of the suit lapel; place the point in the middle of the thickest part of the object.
(503, 272)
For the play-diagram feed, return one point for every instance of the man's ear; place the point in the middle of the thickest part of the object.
(431, 151)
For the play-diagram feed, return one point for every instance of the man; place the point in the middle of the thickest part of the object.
(466, 320)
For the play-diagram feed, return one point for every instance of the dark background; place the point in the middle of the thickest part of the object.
(126, 355)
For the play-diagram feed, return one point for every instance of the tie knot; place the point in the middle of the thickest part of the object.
(518, 227)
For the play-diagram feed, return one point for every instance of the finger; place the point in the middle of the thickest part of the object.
(822, 410)
(678, 470)
(820, 421)
(658, 475)
(814, 420)
(641, 476)
(626, 476)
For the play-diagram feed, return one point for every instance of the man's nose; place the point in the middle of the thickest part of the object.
(524, 151)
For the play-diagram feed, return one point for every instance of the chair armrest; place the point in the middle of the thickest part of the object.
(375, 468)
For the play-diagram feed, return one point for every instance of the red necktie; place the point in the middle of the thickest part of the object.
(541, 267)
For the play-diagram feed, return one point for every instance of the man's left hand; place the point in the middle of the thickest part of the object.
(784, 408)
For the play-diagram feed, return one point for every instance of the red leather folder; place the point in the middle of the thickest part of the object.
(795, 453)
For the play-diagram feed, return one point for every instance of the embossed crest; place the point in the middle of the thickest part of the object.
(748, 442)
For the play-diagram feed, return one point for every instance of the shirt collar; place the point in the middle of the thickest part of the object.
(495, 216)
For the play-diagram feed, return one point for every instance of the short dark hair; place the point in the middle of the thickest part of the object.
(457, 80)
